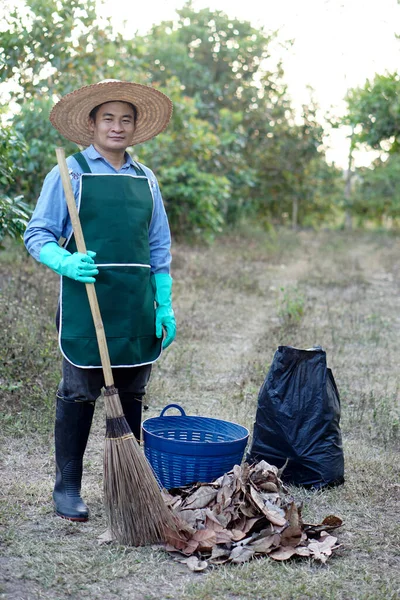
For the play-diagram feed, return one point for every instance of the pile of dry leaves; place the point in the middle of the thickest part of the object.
(244, 514)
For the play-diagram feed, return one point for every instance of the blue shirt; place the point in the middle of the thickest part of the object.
(50, 220)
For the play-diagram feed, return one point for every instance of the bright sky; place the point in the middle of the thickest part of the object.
(338, 44)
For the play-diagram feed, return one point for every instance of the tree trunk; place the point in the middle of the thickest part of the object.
(295, 210)
(348, 224)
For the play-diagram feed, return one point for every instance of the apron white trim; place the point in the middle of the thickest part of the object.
(123, 265)
(95, 366)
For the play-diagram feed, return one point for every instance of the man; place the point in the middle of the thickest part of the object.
(126, 228)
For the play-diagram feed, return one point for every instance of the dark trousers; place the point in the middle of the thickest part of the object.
(85, 385)
(80, 385)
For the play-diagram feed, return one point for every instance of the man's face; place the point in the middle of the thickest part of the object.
(114, 126)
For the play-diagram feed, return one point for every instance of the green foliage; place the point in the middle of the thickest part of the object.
(41, 41)
(14, 212)
(374, 113)
(377, 192)
(195, 200)
(14, 217)
(13, 149)
(33, 125)
(375, 109)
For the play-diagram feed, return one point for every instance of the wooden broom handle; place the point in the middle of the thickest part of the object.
(90, 289)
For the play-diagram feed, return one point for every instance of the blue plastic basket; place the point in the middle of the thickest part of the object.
(184, 450)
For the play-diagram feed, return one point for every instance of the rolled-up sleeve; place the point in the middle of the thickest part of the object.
(50, 220)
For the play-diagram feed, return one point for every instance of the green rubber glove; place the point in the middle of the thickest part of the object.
(165, 318)
(76, 266)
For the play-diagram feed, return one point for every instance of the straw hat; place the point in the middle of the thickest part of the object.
(70, 116)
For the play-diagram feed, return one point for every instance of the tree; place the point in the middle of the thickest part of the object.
(375, 111)
(218, 60)
(33, 126)
(52, 46)
(377, 192)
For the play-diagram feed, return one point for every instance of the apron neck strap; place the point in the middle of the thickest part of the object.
(139, 170)
(81, 160)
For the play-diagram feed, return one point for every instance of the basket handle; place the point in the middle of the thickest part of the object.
(164, 410)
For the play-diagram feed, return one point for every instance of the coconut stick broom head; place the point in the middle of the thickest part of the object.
(136, 511)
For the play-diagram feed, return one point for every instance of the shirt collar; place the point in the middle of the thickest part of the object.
(93, 154)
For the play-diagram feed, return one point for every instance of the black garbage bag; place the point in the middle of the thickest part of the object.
(298, 417)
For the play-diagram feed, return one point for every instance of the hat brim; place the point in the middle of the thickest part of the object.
(70, 116)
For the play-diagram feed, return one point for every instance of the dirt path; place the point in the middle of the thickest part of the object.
(231, 318)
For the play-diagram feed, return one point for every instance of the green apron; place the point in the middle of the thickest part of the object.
(115, 213)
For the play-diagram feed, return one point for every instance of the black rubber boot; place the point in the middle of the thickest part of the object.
(132, 408)
(73, 422)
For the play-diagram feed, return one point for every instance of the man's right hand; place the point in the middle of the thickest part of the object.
(77, 266)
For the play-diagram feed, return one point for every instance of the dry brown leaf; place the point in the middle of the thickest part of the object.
(321, 550)
(250, 523)
(328, 524)
(303, 551)
(237, 472)
(283, 553)
(249, 510)
(223, 537)
(170, 548)
(292, 515)
(291, 536)
(194, 564)
(262, 465)
(213, 525)
(224, 497)
(193, 517)
(332, 522)
(224, 517)
(168, 498)
(241, 554)
(271, 498)
(237, 535)
(206, 539)
(265, 544)
(268, 486)
(190, 547)
(218, 552)
(273, 513)
(201, 497)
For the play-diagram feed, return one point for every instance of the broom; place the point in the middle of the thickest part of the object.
(135, 508)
